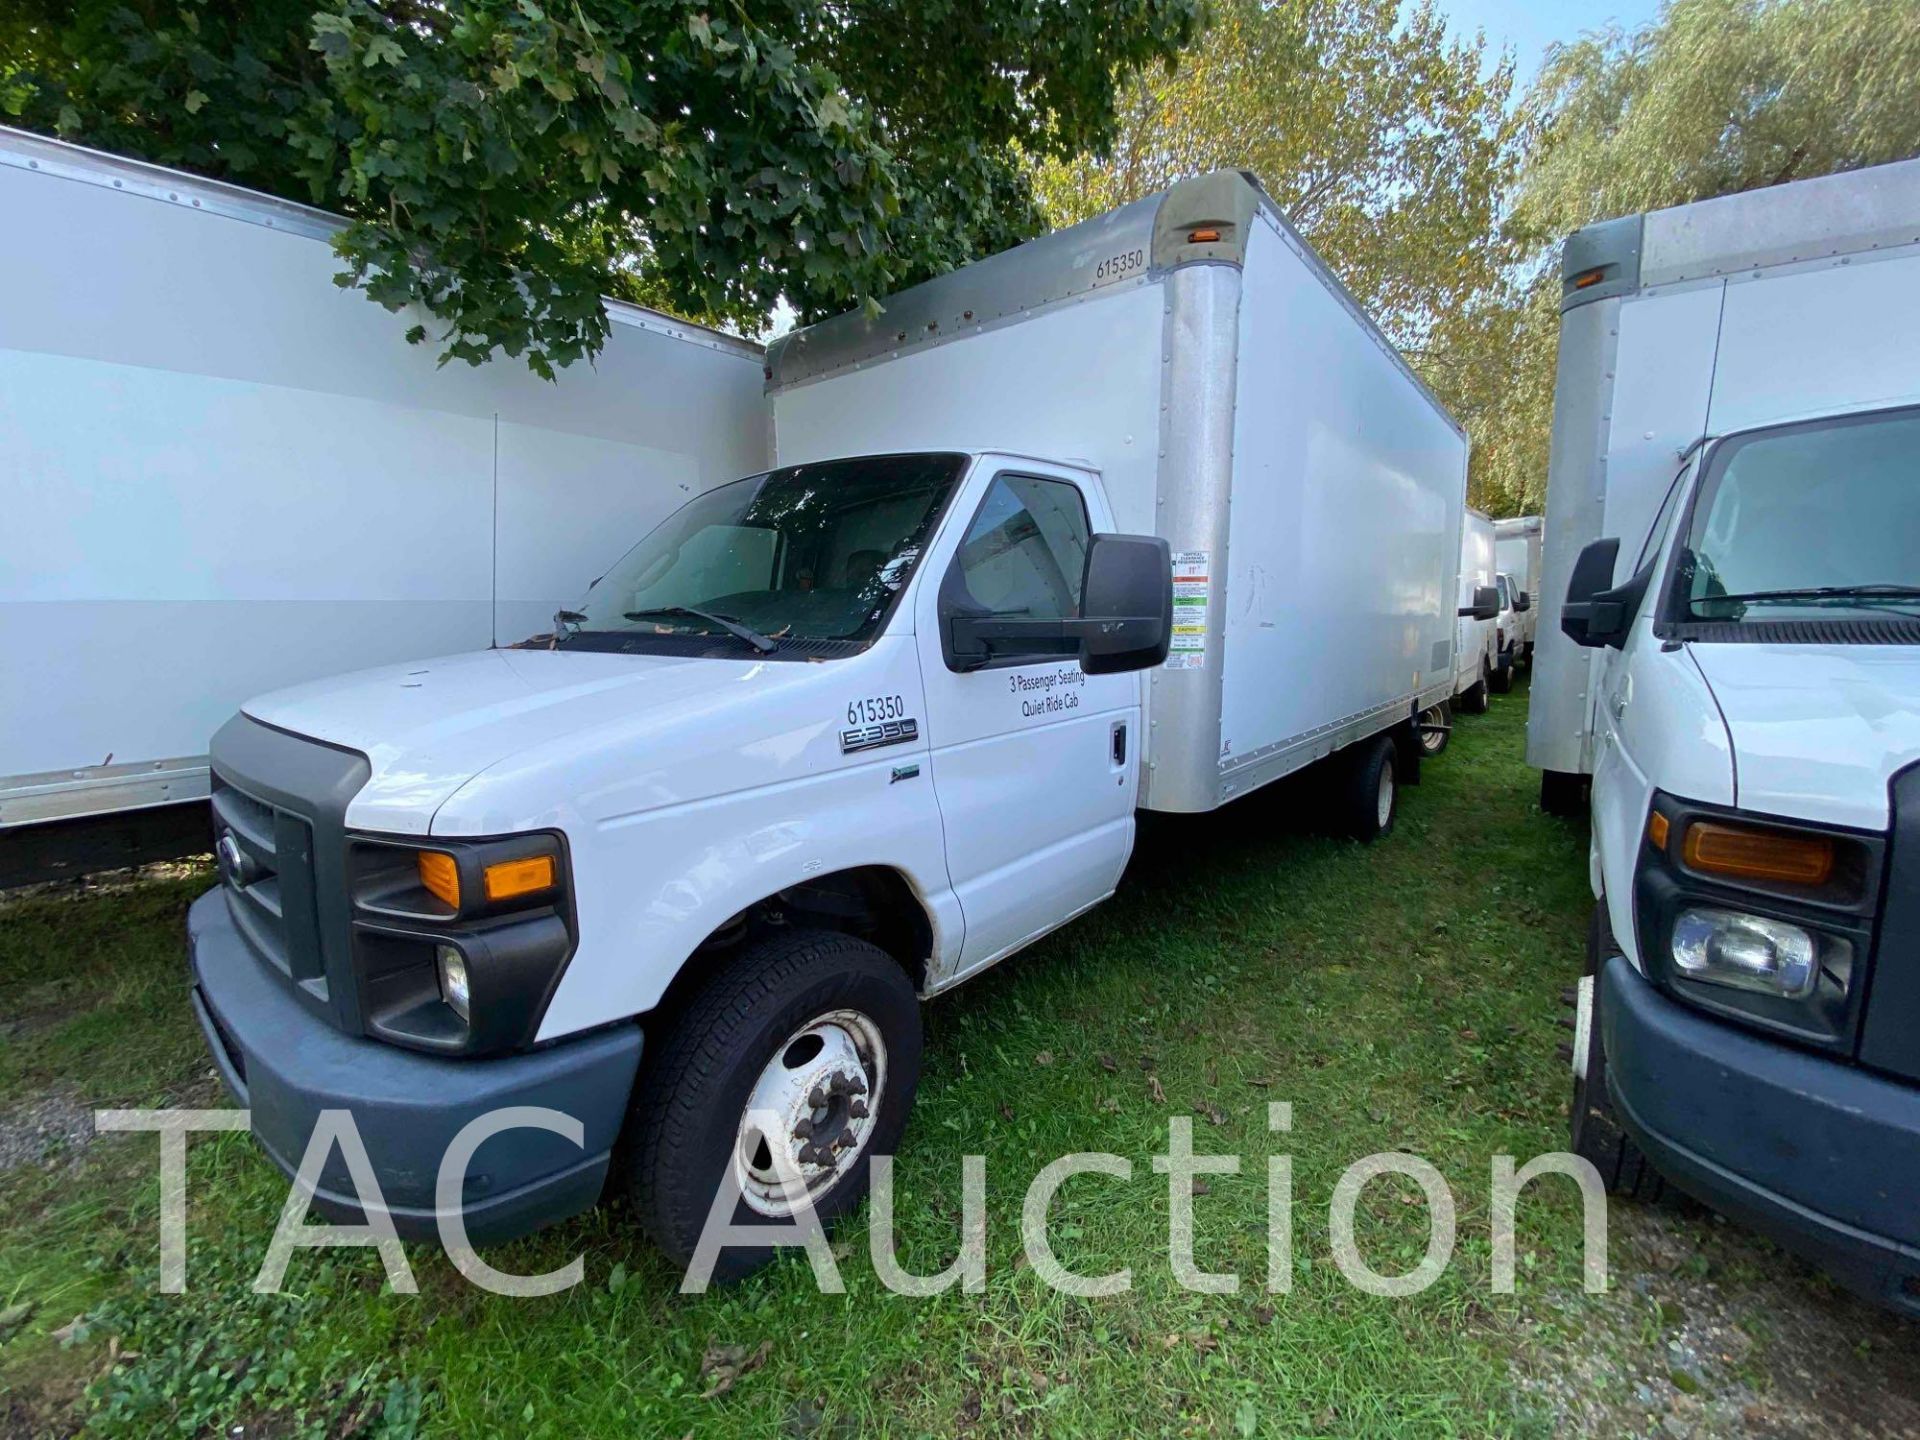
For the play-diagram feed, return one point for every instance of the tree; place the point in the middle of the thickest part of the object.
(1385, 141)
(504, 164)
(1716, 97)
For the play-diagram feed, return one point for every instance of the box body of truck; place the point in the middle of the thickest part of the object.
(1730, 647)
(1236, 401)
(223, 474)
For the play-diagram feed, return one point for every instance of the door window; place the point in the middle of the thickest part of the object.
(1026, 551)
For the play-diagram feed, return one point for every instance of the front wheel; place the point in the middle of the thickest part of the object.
(1369, 796)
(1502, 677)
(1593, 1129)
(1563, 793)
(1434, 725)
(785, 1076)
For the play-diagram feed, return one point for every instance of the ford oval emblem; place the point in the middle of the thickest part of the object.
(232, 860)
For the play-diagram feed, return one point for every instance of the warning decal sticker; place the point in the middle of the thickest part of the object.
(1190, 595)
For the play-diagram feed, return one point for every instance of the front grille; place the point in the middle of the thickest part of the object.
(269, 880)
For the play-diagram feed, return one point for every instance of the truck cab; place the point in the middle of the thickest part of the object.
(769, 783)
(1741, 644)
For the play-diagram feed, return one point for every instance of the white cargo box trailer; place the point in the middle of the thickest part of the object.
(222, 474)
(1235, 401)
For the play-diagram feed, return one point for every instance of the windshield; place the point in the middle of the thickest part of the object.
(798, 563)
(1813, 520)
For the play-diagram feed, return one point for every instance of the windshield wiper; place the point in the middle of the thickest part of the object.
(1817, 594)
(765, 644)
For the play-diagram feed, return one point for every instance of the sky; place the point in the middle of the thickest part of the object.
(1529, 26)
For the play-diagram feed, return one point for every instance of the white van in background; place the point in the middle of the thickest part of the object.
(1730, 648)
(1475, 644)
(1517, 552)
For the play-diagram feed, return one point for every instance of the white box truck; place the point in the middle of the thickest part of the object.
(222, 474)
(1517, 545)
(1475, 650)
(1730, 647)
(1144, 513)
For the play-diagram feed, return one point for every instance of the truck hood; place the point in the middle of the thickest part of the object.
(1818, 731)
(431, 726)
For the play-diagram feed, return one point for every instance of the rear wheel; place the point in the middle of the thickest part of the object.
(1435, 728)
(806, 1044)
(1594, 1130)
(1563, 793)
(1368, 797)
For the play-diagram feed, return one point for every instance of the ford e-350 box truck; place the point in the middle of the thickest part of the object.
(1145, 513)
(1731, 649)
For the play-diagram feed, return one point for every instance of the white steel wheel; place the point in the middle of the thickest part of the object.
(805, 1040)
(1434, 729)
(1383, 799)
(811, 1112)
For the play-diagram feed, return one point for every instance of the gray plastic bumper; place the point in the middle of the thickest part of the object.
(1821, 1155)
(286, 1065)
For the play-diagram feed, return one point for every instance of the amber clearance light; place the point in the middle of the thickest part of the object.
(1757, 854)
(440, 876)
(511, 879)
(1203, 237)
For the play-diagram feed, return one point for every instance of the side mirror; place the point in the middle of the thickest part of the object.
(1485, 606)
(1128, 604)
(1523, 602)
(1125, 620)
(1597, 611)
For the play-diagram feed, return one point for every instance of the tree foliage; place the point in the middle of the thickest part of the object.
(506, 162)
(1716, 97)
(1386, 142)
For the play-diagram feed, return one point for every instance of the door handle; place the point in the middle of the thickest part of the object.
(1119, 743)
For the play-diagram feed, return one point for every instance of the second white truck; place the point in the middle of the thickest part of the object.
(1731, 649)
(1065, 534)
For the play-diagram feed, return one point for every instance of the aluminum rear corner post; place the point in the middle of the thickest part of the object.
(1557, 719)
(1199, 368)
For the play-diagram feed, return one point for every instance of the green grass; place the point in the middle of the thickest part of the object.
(1402, 997)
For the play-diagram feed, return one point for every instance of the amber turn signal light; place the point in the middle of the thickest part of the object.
(440, 876)
(1757, 854)
(511, 879)
(1657, 827)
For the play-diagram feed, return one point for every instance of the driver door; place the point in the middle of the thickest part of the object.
(1033, 761)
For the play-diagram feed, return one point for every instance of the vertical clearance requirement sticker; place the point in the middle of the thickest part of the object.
(1190, 581)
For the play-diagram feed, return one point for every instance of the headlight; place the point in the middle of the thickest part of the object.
(453, 983)
(1748, 952)
(1765, 921)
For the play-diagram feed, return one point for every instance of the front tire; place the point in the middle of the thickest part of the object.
(1502, 677)
(819, 1030)
(1473, 700)
(1435, 729)
(1594, 1130)
(1369, 793)
(1563, 793)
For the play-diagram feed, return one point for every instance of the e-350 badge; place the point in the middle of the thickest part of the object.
(872, 737)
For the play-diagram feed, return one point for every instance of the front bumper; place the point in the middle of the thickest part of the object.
(1822, 1156)
(286, 1065)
